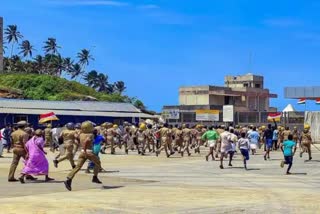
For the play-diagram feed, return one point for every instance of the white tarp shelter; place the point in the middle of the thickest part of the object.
(313, 119)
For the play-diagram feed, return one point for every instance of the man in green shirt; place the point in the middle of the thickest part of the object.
(211, 136)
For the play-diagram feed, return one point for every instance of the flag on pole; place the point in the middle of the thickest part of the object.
(48, 117)
(302, 101)
(318, 101)
(274, 116)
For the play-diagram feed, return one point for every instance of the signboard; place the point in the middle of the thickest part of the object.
(173, 114)
(228, 113)
(207, 115)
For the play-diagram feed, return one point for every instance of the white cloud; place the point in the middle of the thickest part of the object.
(91, 3)
(282, 22)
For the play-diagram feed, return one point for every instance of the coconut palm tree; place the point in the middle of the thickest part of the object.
(68, 62)
(101, 83)
(76, 70)
(40, 63)
(57, 65)
(119, 87)
(26, 48)
(12, 35)
(51, 47)
(84, 57)
(91, 78)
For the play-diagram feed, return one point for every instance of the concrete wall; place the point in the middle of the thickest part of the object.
(194, 99)
(1, 44)
(239, 81)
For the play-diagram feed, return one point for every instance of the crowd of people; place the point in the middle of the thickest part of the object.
(90, 140)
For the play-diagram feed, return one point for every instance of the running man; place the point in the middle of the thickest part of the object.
(211, 136)
(287, 148)
(244, 146)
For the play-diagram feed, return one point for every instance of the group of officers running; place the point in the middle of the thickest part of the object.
(147, 138)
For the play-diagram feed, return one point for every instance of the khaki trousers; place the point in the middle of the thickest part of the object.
(68, 154)
(83, 157)
(18, 153)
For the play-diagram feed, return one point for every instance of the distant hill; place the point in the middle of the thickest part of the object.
(45, 87)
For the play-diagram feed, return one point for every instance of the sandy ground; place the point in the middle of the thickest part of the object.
(147, 184)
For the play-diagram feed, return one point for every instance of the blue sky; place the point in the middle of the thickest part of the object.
(157, 46)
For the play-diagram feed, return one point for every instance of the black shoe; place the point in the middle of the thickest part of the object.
(230, 164)
(30, 178)
(21, 179)
(310, 158)
(189, 154)
(96, 180)
(48, 179)
(68, 183)
(74, 166)
(265, 158)
(55, 163)
(221, 167)
(207, 158)
(13, 180)
(172, 153)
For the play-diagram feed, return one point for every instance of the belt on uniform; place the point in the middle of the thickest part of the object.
(88, 150)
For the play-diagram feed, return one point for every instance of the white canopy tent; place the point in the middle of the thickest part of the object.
(289, 108)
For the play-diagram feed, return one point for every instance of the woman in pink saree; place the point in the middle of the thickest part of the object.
(36, 162)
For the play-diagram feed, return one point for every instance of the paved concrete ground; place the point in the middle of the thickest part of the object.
(136, 184)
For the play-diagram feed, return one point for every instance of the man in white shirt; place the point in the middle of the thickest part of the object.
(227, 146)
(1, 143)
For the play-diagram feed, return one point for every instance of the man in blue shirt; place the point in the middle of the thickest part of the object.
(96, 147)
(287, 148)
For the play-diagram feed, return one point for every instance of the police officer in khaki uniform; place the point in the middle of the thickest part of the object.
(76, 142)
(110, 134)
(286, 133)
(179, 139)
(150, 139)
(198, 140)
(48, 137)
(186, 136)
(165, 137)
(306, 141)
(296, 135)
(142, 138)
(68, 136)
(19, 139)
(86, 143)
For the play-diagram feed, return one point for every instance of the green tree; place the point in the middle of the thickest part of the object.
(119, 87)
(84, 57)
(12, 35)
(40, 63)
(101, 83)
(26, 48)
(139, 104)
(76, 70)
(91, 78)
(51, 48)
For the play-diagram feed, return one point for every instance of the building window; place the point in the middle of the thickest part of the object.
(257, 85)
(18, 118)
(246, 85)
